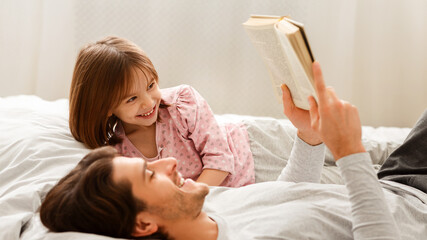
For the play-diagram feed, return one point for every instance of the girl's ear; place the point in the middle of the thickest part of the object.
(110, 113)
(145, 225)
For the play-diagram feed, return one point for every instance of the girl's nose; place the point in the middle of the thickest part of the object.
(146, 102)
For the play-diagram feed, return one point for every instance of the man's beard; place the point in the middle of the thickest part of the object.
(183, 207)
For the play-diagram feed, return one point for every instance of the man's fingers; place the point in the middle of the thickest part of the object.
(314, 114)
(319, 83)
(288, 103)
(331, 93)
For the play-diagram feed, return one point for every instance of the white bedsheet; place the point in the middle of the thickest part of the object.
(37, 149)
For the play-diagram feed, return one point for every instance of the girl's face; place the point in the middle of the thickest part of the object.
(140, 107)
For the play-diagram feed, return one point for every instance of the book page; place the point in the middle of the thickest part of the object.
(301, 46)
(302, 83)
(268, 45)
(302, 53)
(301, 65)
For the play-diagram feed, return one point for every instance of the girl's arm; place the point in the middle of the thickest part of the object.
(212, 177)
(198, 123)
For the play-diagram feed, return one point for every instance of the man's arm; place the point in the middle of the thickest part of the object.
(308, 153)
(370, 215)
(305, 163)
(338, 125)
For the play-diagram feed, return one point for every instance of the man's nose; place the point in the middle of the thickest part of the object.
(167, 165)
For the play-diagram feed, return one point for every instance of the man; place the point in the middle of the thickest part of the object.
(129, 197)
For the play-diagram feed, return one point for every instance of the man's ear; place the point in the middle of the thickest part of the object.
(145, 225)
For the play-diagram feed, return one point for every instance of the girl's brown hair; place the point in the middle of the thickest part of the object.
(100, 81)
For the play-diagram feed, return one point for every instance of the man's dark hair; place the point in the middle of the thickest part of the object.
(87, 200)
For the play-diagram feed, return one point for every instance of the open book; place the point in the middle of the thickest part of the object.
(284, 48)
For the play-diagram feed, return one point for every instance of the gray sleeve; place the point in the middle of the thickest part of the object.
(371, 216)
(305, 163)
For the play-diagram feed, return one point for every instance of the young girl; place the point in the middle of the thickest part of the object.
(115, 100)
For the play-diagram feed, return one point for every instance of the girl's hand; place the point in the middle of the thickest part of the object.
(300, 118)
(212, 177)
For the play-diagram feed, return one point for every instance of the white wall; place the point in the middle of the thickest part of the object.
(390, 77)
(372, 51)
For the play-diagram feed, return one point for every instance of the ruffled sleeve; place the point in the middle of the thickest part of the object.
(195, 121)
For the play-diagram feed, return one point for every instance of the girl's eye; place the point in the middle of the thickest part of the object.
(131, 99)
(151, 85)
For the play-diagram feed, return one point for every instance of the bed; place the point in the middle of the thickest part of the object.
(37, 149)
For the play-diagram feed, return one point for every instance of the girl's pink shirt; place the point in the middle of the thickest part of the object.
(189, 132)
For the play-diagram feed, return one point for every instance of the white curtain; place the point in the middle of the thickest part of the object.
(372, 52)
(36, 47)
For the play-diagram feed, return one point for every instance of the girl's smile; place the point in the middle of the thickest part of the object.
(140, 107)
(149, 114)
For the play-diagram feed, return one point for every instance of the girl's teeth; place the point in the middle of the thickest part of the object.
(152, 110)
